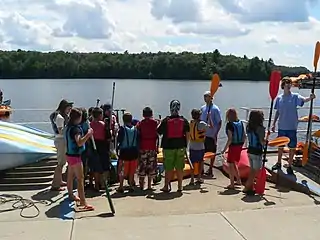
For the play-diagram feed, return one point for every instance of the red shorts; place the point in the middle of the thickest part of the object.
(234, 153)
(128, 167)
(74, 160)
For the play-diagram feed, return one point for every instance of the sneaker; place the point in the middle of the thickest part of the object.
(290, 170)
(276, 166)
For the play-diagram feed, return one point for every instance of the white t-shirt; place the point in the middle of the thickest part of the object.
(60, 123)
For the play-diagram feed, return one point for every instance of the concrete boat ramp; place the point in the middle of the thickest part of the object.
(209, 212)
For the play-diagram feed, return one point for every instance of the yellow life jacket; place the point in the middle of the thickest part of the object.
(196, 135)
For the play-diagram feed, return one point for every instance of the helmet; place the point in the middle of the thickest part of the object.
(174, 106)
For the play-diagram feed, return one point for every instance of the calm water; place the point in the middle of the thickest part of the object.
(132, 95)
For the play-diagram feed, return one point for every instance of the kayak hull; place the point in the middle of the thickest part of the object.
(18, 148)
(8, 126)
(243, 165)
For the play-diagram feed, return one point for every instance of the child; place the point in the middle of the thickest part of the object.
(256, 135)
(102, 165)
(75, 141)
(236, 138)
(148, 139)
(90, 114)
(196, 144)
(128, 151)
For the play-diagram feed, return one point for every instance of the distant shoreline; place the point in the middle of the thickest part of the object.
(152, 66)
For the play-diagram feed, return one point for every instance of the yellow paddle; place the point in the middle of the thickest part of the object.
(279, 141)
(307, 147)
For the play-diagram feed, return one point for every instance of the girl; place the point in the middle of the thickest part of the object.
(75, 140)
(256, 135)
(59, 120)
(236, 138)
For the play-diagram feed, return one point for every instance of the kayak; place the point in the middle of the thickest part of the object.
(243, 165)
(18, 148)
(314, 118)
(19, 128)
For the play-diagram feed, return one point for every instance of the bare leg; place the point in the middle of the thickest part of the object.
(167, 180)
(237, 174)
(70, 178)
(280, 153)
(180, 179)
(231, 174)
(291, 156)
(78, 170)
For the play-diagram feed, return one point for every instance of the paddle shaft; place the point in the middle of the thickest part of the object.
(111, 111)
(310, 117)
(268, 129)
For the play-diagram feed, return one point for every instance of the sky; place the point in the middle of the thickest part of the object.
(284, 30)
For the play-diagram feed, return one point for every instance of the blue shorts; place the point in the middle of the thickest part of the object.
(196, 155)
(291, 134)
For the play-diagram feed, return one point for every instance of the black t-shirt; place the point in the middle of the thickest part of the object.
(173, 143)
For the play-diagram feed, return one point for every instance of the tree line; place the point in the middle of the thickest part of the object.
(161, 65)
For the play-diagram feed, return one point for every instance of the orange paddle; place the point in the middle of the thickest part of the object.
(279, 141)
(274, 84)
(215, 82)
(306, 148)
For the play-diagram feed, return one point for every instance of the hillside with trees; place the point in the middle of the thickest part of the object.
(161, 65)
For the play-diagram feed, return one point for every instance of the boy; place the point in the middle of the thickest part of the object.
(100, 167)
(128, 151)
(196, 144)
(148, 138)
(174, 129)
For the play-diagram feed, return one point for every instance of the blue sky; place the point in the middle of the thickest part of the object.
(283, 30)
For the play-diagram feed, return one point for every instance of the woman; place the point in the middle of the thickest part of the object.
(59, 120)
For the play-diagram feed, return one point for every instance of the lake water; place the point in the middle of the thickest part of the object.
(33, 100)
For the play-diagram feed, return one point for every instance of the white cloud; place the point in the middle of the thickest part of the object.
(283, 30)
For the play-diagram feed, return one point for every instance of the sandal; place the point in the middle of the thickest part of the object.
(57, 189)
(86, 208)
(165, 190)
(230, 187)
(74, 198)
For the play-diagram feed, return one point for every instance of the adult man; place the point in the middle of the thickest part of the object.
(210, 113)
(287, 114)
(174, 129)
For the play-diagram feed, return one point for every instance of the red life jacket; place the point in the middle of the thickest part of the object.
(175, 127)
(148, 134)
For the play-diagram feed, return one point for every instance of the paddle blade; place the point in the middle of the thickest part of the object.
(279, 141)
(274, 84)
(215, 82)
(260, 185)
(316, 56)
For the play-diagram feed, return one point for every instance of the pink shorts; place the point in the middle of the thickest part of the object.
(72, 160)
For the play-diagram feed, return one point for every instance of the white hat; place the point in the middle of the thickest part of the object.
(207, 93)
